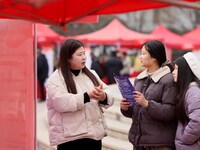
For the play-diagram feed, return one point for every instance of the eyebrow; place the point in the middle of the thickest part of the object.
(143, 51)
(79, 52)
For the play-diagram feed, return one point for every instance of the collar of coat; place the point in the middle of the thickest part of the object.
(193, 84)
(157, 74)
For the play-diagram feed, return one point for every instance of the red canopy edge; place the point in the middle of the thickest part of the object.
(186, 4)
(173, 40)
(46, 35)
(116, 33)
(60, 12)
(54, 12)
(194, 36)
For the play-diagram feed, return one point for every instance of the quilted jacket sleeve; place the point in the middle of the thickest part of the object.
(192, 131)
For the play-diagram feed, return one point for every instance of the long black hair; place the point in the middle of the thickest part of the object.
(185, 77)
(68, 48)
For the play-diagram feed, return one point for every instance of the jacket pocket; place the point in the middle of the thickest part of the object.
(94, 113)
(74, 124)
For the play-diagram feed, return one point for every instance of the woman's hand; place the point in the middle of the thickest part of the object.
(124, 104)
(140, 99)
(97, 93)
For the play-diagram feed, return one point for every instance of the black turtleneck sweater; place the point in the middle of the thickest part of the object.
(86, 96)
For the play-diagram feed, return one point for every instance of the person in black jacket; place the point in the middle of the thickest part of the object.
(42, 71)
(113, 66)
(96, 65)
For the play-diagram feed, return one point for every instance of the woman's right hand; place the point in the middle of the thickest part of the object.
(124, 104)
(97, 93)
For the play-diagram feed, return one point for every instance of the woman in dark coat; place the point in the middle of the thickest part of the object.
(154, 122)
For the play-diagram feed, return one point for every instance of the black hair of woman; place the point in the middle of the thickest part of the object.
(68, 48)
(157, 50)
(185, 77)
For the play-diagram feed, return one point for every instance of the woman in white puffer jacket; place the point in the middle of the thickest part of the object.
(75, 97)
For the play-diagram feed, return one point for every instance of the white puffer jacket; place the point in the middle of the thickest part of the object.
(68, 117)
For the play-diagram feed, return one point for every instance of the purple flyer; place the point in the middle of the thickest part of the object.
(126, 88)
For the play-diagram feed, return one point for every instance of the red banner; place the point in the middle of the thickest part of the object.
(17, 74)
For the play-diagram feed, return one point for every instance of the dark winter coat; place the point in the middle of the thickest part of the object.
(156, 124)
(42, 67)
(113, 66)
(96, 66)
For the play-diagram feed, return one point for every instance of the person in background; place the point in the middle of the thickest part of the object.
(127, 64)
(75, 98)
(113, 66)
(153, 114)
(42, 72)
(96, 66)
(187, 78)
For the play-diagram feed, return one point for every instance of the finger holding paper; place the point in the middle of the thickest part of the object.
(124, 104)
(140, 99)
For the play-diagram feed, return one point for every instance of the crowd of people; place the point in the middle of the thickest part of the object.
(166, 112)
(119, 63)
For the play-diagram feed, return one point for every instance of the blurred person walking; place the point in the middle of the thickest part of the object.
(42, 72)
(127, 63)
(113, 66)
(154, 120)
(75, 98)
(96, 66)
(187, 78)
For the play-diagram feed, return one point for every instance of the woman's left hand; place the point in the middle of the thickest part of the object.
(140, 99)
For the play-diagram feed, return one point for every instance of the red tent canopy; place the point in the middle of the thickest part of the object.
(193, 35)
(60, 12)
(46, 35)
(173, 40)
(116, 33)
